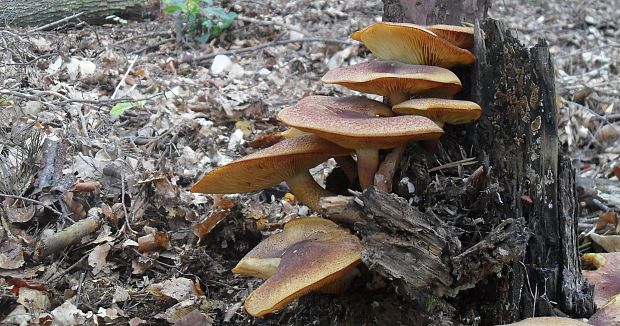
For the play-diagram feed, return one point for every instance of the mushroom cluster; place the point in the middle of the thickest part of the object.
(314, 253)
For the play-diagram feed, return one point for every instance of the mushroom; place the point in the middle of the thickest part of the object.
(461, 36)
(395, 79)
(288, 160)
(360, 132)
(440, 110)
(359, 104)
(413, 44)
(310, 253)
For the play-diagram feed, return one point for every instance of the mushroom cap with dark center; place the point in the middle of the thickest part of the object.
(461, 36)
(359, 104)
(443, 110)
(270, 166)
(412, 44)
(263, 260)
(356, 131)
(390, 77)
(305, 266)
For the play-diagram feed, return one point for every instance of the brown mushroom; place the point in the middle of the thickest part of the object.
(288, 160)
(461, 36)
(360, 132)
(395, 79)
(441, 110)
(413, 44)
(308, 254)
(359, 104)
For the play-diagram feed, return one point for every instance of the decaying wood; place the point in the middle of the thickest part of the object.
(33, 13)
(406, 246)
(500, 247)
(62, 239)
(518, 133)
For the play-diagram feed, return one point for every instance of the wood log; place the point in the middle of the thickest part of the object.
(36, 13)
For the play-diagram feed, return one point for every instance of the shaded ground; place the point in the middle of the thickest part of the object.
(56, 94)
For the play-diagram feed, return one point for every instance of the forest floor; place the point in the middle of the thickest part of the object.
(74, 152)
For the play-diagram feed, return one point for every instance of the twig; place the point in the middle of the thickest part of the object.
(60, 240)
(122, 82)
(467, 161)
(271, 23)
(270, 44)
(148, 35)
(43, 56)
(58, 22)
(34, 201)
(79, 289)
(126, 225)
(57, 276)
(144, 48)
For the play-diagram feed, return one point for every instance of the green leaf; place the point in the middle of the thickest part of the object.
(120, 107)
(172, 9)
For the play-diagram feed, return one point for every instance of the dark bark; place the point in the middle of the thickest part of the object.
(36, 13)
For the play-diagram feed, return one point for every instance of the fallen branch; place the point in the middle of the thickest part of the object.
(62, 239)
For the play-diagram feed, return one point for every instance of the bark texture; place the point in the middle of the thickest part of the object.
(36, 13)
(427, 12)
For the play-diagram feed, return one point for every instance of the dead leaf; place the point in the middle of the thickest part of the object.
(34, 300)
(177, 288)
(17, 212)
(153, 241)
(97, 257)
(11, 255)
(611, 243)
(67, 314)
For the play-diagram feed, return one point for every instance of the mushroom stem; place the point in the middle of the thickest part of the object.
(385, 173)
(292, 132)
(347, 163)
(307, 191)
(367, 163)
(397, 98)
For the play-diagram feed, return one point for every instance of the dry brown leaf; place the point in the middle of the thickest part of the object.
(153, 241)
(97, 257)
(11, 255)
(611, 243)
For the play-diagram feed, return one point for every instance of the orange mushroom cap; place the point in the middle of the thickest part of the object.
(313, 252)
(441, 110)
(412, 44)
(263, 260)
(354, 130)
(461, 36)
(361, 132)
(359, 104)
(268, 167)
(391, 77)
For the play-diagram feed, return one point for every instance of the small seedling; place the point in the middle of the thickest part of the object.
(204, 20)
